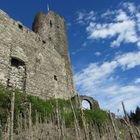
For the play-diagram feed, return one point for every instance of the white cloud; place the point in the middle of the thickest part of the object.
(137, 81)
(108, 13)
(130, 6)
(97, 53)
(124, 30)
(98, 80)
(121, 16)
(85, 17)
(128, 60)
(123, 26)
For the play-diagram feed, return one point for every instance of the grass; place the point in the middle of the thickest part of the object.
(45, 109)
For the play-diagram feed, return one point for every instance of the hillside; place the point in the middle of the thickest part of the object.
(39, 119)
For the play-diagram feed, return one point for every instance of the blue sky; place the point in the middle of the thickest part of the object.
(104, 43)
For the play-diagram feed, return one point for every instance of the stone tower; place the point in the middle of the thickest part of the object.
(53, 27)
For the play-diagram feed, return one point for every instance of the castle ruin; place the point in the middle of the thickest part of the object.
(36, 61)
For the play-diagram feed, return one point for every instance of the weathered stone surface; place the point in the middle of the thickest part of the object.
(41, 64)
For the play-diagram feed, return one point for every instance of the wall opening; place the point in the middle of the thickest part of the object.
(20, 26)
(16, 62)
(86, 105)
(43, 41)
(55, 77)
(49, 37)
(51, 23)
(17, 75)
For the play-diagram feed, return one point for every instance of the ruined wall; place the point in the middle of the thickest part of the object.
(31, 63)
(79, 98)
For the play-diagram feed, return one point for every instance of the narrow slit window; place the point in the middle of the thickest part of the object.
(51, 23)
(55, 77)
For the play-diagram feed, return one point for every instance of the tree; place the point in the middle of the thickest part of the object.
(135, 116)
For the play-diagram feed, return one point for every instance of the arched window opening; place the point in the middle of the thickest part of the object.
(16, 62)
(86, 105)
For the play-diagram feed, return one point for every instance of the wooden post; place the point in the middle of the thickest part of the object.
(138, 131)
(18, 123)
(21, 121)
(12, 116)
(63, 128)
(25, 120)
(114, 127)
(30, 121)
(133, 137)
(58, 120)
(36, 118)
(84, 125)
(0, 130)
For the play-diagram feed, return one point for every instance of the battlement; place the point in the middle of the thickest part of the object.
(36, 62)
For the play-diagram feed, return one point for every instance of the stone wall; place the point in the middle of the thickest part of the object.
(45, 72)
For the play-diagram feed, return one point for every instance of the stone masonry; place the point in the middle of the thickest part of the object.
(37, 61)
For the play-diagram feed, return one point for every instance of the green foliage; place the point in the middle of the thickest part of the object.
(0, 137)
(121, 133)
(45, 109)
(91, 116)
(4, 104)
(69, 119)
(135, 117)
(96, 116)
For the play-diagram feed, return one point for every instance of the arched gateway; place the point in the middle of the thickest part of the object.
(93, 103)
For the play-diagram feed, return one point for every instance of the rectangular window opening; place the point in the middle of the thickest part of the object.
(50, 23)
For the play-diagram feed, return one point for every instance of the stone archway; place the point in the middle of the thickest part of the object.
(78, 100)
